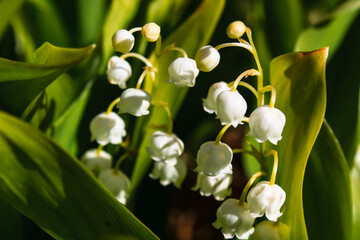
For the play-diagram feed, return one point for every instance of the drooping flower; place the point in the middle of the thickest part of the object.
(135, 102)
(209, 103)
(218, 186)
(183, 72)
(267, 230)
(151, 32)
(169, 173)
(207, 58)
(266, 198)
(107, 128)
(234, 219)
(123, 41)
(96, 161)
(119, 71)
(116, 182)
(214, 158)
(165, 147)
(267, 123)
(230, 107)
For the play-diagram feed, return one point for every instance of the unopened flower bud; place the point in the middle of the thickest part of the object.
(207, 58)
(169, 173)
(236, 29)
(135, 102)
(96, 161)
(116, 182)
(230, 107)
(151, 32)
(183, 72)
(119, 71)
(267, 230)
(218, 186)
(123, 41)
(209, 103)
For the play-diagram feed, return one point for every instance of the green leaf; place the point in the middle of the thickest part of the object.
(327, 191)
(330, 31)
(7, 10)
(299, 79)
(201, 23)
(10, 222)
(355, 186)
(55, 190)
(21, 82)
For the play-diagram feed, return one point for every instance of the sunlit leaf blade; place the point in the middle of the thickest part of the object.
(201, 23)
(327, 190)
(53, 189)
(355, 185)
(21, 82)
(7, 9)
(299, 79)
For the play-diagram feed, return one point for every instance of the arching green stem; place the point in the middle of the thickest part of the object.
(270, 88)
(275, 165)
(112, 105)
(138, 56)
(221, 133)
(165, 105)
(248, 185)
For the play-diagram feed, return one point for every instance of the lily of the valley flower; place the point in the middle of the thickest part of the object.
(207, 58)
(151, 32)
(165, 147)
(209, 103)
(107, 128)
(119, 71)
(96, 161)
(183, 72)
(169, 173)
(214, 158)
(271, 231)
(218, 186)
(135, 102)
(236, 29)
(267, 123)
(234, 219)
(230, 107)
(123, 41)
(116, 182)
(266, 198)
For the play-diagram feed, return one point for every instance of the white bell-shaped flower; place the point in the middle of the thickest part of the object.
(116, 182)
(209, 103)
(218, 186)
(123, 41)
(135, 102)
(214, 158)
(169, 173)
(234, 219)
(165, 147)
(266, 123)
(207, 58)
(107, 128)
(118, 71)
(183, 72)
(267, 230)
(266, 198)
(96, 161)
(230, 107)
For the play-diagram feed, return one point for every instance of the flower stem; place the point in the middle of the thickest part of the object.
(138, 56)
(243, 44)
(270, 88)
(248, 185)
(275, 165)
(112, 105)
(98, 150)
(158, 46)
(221, 133)
(141, 78)
(248, 86)
(250, 72)
(165, 105)
(136, 29)
(121, 159)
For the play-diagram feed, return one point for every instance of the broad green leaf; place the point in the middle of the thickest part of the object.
(46, 184)
(327, 191)
(194, 33)
(10, 222)
(21, 82)
(299, 79)
(331, 31)
(355, 186)
(7, 10)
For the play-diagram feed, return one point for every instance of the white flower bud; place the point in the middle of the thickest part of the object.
(107, 128)
(207, 58)
(96, 162)
(218, 186)
(266, 198)
(236, 29)
(267, 230)
(182, 72)
(230, 107)
(116, 182)
(119, 71)
(123, 41)
(169, 173)
(266, 123)
(214, 158)
(165, 147)
(151, 32)
(135, 102)
(209, 103)
(234, 219)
